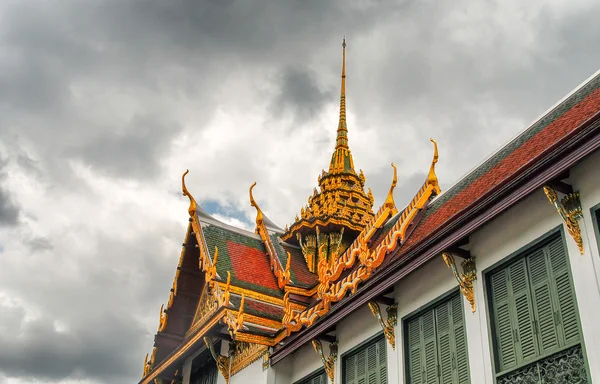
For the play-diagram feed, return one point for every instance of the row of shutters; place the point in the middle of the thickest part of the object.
(533, 314)
(533, 306)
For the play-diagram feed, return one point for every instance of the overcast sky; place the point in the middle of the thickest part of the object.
(104, 104)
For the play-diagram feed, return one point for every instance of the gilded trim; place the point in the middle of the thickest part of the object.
(569, 208)
(389, 325)
(329, 361)
(466, 278)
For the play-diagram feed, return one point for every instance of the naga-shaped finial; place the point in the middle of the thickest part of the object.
(431, 177)
(389, 200)
(192, 208)
(162, 322)
(259, 214)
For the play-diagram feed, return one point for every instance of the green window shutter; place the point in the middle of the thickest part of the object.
(568, 327)
(526, 345)
(317, 378)
(368, 365)
(505, 329)
(429, 348)
(442, 318)
(415, 365)
(460, 358)
(545, 324)
(382, 360)
(350, 370)
(437, 345)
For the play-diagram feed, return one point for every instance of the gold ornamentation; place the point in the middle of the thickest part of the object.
(330, 289)
(149, 364)
(388, 325)
(283, 277)
(192, 208)
(466, 278)
(162, 322)
(389, 200)
(569, 208)
(329, 361)
(223, 362)
(266, 362)
(245, 354)
(235, 320)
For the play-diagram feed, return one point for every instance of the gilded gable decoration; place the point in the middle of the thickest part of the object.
(466, 278)
(329, 361)
(569, 208)
(388, 325)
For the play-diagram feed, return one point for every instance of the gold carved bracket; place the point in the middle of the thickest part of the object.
(266, 363)
(389, 325)
(223, 362)
(465, 278)
(329, 361)
(569, 208)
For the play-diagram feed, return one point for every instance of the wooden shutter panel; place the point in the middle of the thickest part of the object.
(460, 358)
(382, 360)
(360, 368)
(539, 274)
(415, 365)
(429, 348)
(350, 369)
(568, 326)
(442, 317)
(523, 313)
(503, 320)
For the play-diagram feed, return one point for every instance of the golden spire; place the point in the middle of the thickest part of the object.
(342, 131)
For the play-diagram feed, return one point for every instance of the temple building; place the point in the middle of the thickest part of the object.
(494, 280)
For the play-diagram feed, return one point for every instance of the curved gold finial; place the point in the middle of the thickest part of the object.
(192, 208)
(259, 214)
(162, 322)
(389, 200)
(431, 177)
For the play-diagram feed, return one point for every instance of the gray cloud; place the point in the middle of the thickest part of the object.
(9, 212)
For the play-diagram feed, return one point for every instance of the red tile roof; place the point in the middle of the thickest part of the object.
(251, 265)
(512, 164)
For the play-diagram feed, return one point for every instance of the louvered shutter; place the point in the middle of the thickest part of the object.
(523, 314)
(415, 365)
(429, 348)
(368, 365)
(545, 324)
(444, 342)
(382, 361)
(503, 320)
(350, 369)
(460, 358)
(568, 324)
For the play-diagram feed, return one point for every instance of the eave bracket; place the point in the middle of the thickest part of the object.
(569, 208)
(389, 325)
(465, 278)
(329, 361)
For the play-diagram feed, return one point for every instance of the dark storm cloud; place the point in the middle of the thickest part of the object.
(299, 94)
(133, 151)
(9, 212)
(36, 349)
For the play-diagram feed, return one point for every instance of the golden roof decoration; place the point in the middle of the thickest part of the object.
(341, 200)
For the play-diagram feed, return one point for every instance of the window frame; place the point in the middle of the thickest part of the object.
(521, 252)
(363, 344)
(595, 215)
(446, 296)
(317, 372)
